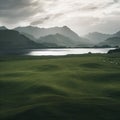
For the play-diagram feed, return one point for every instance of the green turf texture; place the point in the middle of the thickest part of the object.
(83, 87)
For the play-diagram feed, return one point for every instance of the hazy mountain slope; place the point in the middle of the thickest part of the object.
(114, 41)
(10, 39)
(56, 40)
(65, 37)
(34, 31)
(29, 36)
(97, 37)
(116, 34)
(41, 32)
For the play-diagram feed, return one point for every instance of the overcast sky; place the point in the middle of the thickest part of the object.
(82, 16)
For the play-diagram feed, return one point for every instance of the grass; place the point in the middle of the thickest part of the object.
(83, 87)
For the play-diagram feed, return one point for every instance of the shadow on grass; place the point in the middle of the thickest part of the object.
(91, 65)
(46, 67)
(44, 89)
(25, 88)
(113, 93)
(96, 77)
(15, 74)
(69, 111)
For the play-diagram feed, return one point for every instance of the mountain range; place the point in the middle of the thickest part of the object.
(56, 40)
(43, 33)
(31, 37)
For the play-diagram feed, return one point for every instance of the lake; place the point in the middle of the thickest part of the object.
(67, 51)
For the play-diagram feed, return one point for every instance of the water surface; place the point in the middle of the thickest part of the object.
(67, 51)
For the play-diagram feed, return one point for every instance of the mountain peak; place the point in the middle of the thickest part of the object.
(65, 26)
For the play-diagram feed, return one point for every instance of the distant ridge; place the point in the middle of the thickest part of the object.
(41, 32)
(113, 42)
(65, 31)
(97, 37)
(43, 35)
(56, 40)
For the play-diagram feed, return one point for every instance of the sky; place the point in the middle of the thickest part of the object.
(82, 16)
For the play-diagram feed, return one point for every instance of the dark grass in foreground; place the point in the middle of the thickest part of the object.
(85, 87)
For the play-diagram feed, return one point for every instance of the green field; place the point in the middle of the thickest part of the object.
(84, 87)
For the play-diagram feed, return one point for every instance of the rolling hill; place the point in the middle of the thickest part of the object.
(82, 87)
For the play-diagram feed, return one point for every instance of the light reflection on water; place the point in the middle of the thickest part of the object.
(68, 51)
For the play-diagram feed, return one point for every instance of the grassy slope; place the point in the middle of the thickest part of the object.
(85, 87)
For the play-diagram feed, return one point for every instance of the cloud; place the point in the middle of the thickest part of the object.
(116, 1)
(13, 12)
(40, 21)
(80, 15)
